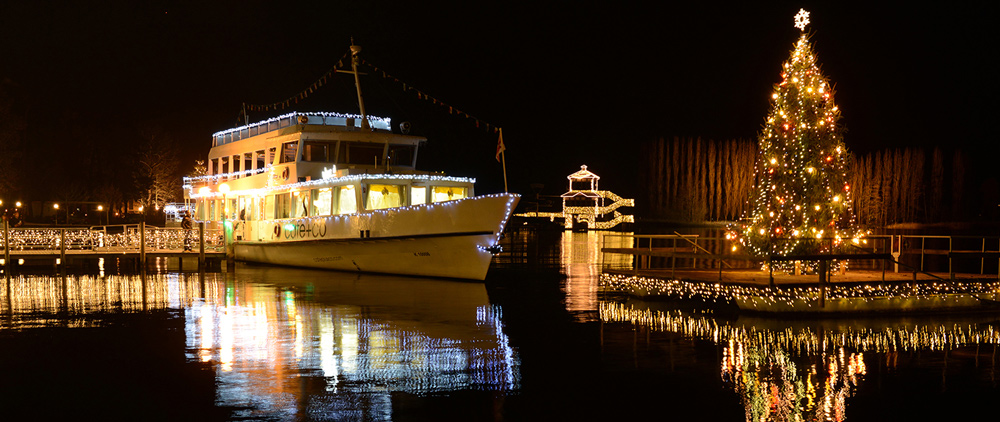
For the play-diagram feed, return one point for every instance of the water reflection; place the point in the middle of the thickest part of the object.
(807, 370)
(287, 343)
(582, 260)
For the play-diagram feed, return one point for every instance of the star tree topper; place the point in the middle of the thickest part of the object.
(802, 19)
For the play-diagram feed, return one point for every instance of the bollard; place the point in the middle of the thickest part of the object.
(142, 245)
(6, 246)
(62, 249)
(201, 245)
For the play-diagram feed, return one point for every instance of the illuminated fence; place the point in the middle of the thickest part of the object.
(107, 239)
(895, 253)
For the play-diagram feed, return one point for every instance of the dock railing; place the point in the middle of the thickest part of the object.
(106, 239)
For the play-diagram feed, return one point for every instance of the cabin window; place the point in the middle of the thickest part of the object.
(384, 196)
(269, 207)
(260, 159)
(300, 204)
(360, 153)
(289, 151)
(236, 163)
(401, 155)
(322, 201)
(282, 205)
(215, 167)
(447, 193)
(270, 155)
(347, 200)
(316, 151)
(211, 210)
(248, 161)
(225, 165)
(199, 210)
(418, 195)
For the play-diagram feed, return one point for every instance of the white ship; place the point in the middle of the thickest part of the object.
(342, 192)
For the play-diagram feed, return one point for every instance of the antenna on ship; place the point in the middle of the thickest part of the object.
(355, 49)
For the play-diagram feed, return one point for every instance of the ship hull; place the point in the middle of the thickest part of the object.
(451, 239)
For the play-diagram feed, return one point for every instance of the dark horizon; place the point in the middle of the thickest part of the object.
(569, 85)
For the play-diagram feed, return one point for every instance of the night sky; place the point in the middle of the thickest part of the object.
(571, 83)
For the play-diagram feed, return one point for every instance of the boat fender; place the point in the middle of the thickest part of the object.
(277, 230)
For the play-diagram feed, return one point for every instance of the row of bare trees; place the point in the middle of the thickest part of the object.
(905, 185)
(692, 179)
(56, 155)
(695, 180)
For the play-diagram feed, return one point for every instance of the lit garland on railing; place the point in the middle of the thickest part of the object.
(728, 293)
(344, 179)
(189, 182)
(385, 121)
(48, 240)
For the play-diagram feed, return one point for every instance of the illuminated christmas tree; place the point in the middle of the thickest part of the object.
(801, 201)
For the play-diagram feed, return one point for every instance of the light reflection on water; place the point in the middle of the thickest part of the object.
(808, 370)
(286, 343)
(582, 260)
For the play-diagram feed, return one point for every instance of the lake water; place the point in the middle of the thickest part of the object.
(266, 343)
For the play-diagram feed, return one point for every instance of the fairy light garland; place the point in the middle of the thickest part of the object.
(339, 180)
(729, 293)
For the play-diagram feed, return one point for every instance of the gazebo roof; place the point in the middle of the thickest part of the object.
(583, 174)
(579, 193)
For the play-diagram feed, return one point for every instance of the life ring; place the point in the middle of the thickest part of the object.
(284, 173)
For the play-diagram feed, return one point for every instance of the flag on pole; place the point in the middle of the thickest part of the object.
(500, 146)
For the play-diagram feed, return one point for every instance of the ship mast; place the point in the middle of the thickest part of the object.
(355, 49)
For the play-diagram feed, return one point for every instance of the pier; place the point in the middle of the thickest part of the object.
(136, 242)
(899, 273)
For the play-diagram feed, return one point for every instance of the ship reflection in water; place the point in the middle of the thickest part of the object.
(320, 345)
(809, 370)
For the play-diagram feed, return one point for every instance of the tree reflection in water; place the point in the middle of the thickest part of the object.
(807, 370)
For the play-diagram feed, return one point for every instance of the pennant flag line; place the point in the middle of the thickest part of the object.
(423, 96)
(281, 105)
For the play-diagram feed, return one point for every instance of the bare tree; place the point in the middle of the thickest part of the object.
(156, 171)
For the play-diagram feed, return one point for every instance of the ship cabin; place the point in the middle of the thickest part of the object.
(314, 164)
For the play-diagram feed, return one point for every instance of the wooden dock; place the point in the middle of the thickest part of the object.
(692, 268)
